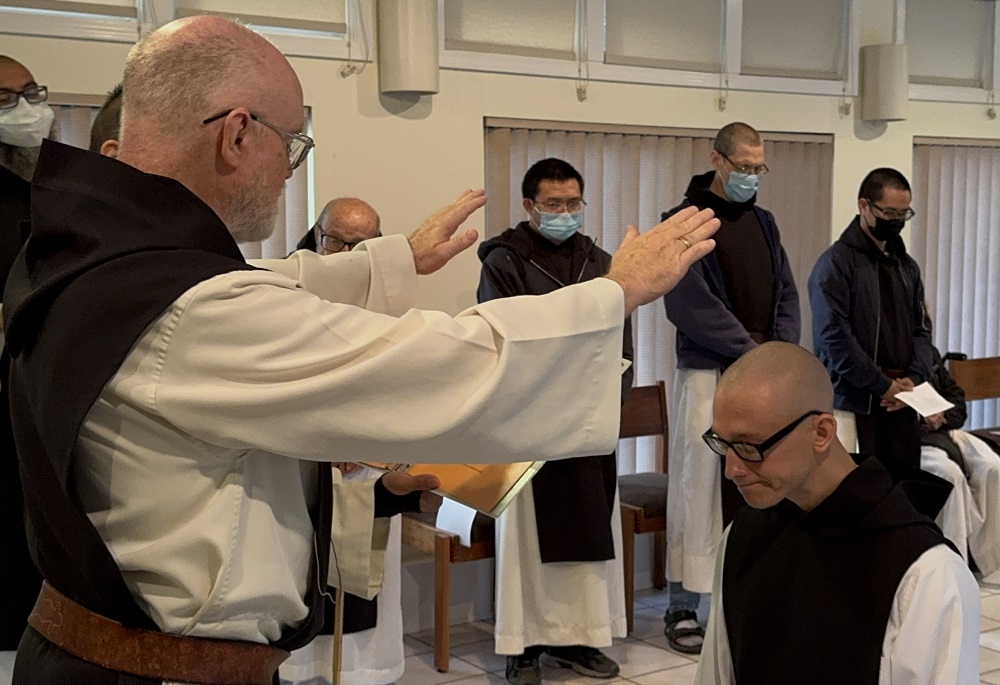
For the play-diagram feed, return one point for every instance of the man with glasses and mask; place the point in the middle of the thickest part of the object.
(739, 296)
(343, 223)
(25, 119)
(869, 324)
(835, 573)
(559, 583)
(177, 485)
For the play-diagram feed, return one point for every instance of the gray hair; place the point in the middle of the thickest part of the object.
(736, 133)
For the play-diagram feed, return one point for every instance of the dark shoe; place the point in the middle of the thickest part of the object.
(684, 640)
(583, 660)
(523, 669)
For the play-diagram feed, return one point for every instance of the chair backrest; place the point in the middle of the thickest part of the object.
(979, 378)
(645, 413)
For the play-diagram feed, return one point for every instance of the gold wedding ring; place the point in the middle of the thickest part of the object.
(687, 243)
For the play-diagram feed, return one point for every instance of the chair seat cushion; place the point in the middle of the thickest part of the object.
(647, 491)
(483, 527)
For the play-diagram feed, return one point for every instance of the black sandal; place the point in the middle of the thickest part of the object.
(675, 634)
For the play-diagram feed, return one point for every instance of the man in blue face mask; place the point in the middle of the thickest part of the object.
(560, 592)
(736, 298)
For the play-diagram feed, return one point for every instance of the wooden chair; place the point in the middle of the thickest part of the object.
(644, 495)
(420, 533)
(644, 413)
(980, 379)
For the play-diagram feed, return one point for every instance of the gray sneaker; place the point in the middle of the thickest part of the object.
(523, 669)
(584, 660)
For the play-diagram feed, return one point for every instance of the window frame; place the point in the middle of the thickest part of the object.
(731, 58)
(941, 93)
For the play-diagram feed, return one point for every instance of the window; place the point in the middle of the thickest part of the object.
(114, 8)
(956, 239)
(512, 27)
(950, 43)
(325, 16)
(632, 174)
(669, 34)
(805, 38)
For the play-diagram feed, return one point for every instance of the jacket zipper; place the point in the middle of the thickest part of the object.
(561, 284)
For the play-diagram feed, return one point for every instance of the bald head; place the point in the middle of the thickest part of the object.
(17, 154)
(209, 68)
(347, 220)
(777, 378)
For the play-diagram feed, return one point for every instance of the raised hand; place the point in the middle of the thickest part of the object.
(649, 265)
(434, 242)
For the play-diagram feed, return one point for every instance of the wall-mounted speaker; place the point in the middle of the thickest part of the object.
(408, 46)
(885, 82)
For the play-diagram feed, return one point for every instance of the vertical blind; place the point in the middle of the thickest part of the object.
(956, 241)
(631, 175)
(72, 127)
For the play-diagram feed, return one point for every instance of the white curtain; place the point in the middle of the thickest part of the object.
(72, 126)
(956, 241)
(631, 175)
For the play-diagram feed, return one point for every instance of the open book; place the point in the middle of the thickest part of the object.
(487, 488)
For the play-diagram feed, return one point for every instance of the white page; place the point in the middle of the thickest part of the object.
(925, 400)
(456, 518)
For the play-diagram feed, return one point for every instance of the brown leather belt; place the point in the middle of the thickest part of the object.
(894, 373)
(149, 654)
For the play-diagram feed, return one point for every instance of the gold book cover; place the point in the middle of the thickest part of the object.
(487, 488)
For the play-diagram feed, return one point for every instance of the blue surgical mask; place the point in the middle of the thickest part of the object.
(559, 227)
(741, 187)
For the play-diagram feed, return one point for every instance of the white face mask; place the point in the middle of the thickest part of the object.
(25, 125)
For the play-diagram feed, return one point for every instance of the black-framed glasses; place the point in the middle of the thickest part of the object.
(752, 170)
(559, 207)
(332, 243)
(893, 214)
(33, 94)
(748, 451)
(297, 147)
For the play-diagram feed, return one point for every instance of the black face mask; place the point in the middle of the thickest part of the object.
(883, 229)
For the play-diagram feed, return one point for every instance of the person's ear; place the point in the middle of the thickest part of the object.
(528, 205)
(825, 432)
(109, 148)
(233, 147)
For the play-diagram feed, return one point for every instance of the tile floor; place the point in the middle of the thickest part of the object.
(644, 657)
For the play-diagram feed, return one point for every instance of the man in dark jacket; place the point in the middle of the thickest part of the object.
(25, 119)
(559, 574)
(739, 296)
(869, 324)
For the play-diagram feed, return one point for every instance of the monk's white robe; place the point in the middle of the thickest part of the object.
(194, 463)
(932, 637)
(694, 493)
(971, 518)
(369, 657)
(560, 603)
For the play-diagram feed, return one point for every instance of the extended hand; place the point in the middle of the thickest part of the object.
(434, 242)
(402, 483)
(649, 265)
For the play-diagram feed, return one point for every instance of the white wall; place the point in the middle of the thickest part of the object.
(408, 158)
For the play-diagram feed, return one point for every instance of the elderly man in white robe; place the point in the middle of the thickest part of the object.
(177, 484)
(372, 650)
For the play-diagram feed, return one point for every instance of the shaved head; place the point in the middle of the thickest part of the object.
(780, 395)
(731, 136)
(206, 67)
(778, 378)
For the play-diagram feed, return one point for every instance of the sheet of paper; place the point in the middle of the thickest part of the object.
(925, 400)
(456, 518)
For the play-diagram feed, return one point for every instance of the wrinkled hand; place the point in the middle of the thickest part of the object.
(898, 385)
(347, 467)
(934, 422)
(649, 265)
(402, 483)
(434, 242)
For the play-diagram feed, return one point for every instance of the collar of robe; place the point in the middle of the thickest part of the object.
(78, 225)
(861, 500)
